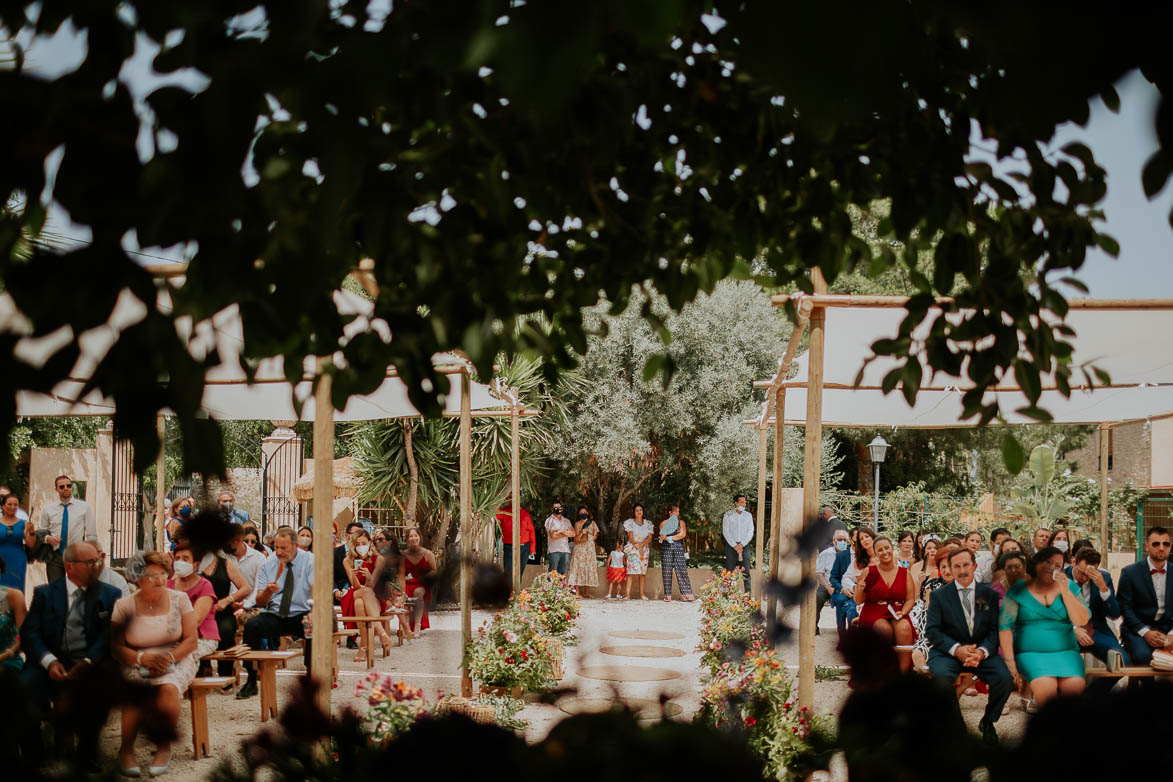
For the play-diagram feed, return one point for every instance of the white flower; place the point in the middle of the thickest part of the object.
(511, 636)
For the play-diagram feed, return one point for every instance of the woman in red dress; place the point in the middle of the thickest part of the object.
(415, 565)
(886, 592)
(360, 599)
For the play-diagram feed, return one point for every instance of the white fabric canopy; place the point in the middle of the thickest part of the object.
(1133, 346)
(228, 395)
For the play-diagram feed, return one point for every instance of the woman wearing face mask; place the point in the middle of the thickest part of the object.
(181, 510)
(360, 599)
(305, 539)
(583, 572)
(1059, 540)
(1036, 628)
(202, 596)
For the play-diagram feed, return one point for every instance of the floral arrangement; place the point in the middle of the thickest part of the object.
(392, 707)
(553, 603)
(729, 615)
(754, 696)
(509, 651)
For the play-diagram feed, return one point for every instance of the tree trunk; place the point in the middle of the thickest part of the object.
(438, 541)
(413, 471)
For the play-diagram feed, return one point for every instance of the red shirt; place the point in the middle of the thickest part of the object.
(505, 517)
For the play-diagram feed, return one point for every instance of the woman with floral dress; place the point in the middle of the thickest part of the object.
(583, 572)
(638, 549)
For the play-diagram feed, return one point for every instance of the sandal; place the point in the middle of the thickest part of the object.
(361, 657)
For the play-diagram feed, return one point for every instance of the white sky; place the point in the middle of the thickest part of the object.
(1121, 143)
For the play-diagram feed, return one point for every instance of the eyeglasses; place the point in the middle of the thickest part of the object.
(65, 486)
(1160, 544)
(155, 576)
(86, 562)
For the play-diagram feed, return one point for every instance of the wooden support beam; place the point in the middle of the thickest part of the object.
(761, 521)
(515, 492)
(1105, 540)
(776, 508)
(893, 302)
(161, 482)
(812, 458)
(465, 527)
(322, 613)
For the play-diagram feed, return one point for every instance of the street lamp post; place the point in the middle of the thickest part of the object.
(879, 449)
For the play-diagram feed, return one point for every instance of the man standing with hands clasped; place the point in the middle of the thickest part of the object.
(962, 629)
(67, 521)
(288, 585)
(737, 528)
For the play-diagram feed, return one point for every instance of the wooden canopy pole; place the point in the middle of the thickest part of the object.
(465, 529)
(515, 491)
(776, 515)
(322, 613)
(161, 482)
(812, 457)
(1105, 542)
(761, 522)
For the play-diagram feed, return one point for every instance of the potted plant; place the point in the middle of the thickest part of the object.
(508, 655)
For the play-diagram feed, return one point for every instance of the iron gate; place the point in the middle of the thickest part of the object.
(280, 471)
(126, 502)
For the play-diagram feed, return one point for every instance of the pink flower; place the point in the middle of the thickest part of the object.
(511, 636)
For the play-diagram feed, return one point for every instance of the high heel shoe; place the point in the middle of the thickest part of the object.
(361, 657)
(157, 770)
(132, 770)
(385, 642)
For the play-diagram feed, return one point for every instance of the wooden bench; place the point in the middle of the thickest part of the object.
(364, 623)
(267, 663)
(197, 693)
(1132, 671)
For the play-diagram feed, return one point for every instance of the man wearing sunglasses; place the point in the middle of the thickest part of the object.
(1146, 600)
(68, 521)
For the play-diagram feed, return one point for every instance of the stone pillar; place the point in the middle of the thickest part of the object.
(100, 488)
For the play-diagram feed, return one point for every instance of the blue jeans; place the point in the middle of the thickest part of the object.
(559, 560)
(844, 611)
(507, 558)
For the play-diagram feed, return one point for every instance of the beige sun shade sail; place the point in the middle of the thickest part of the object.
(228, 395)
(1132, 345)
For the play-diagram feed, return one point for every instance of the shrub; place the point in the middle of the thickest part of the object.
(509, 651)
(729, 617)
(553, 604)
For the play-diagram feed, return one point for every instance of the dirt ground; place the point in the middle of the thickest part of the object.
(432, 662)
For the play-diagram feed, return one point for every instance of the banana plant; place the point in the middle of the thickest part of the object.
(1043, 499)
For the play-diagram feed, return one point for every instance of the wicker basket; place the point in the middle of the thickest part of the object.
(556, 652)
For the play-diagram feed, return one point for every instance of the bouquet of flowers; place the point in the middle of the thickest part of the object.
(754, 695)
(392, 707)
(728, 616)
(509, 651)
(552, 602)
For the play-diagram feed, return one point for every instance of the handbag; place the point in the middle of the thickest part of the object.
(1162, 660)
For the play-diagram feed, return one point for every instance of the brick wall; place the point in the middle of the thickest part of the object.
(1131, 455)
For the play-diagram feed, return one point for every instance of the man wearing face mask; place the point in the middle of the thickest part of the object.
(559, 531)
(228, 506)
(737, 529)
(985, 569)
(823, 565)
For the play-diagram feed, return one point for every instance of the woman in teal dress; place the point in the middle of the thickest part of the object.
(1036, 628)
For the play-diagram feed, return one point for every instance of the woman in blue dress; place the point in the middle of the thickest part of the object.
(12, 544)
(1036, 628)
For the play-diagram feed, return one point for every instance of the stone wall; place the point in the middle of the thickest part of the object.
(244, 482)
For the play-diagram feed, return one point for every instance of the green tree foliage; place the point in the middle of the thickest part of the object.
(502, 159)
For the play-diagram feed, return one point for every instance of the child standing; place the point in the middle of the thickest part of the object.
(616, 570)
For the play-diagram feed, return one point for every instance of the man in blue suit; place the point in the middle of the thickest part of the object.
(67, 632)
(841, 593)
(1096, 637)
(962, 628)
(1146, 599)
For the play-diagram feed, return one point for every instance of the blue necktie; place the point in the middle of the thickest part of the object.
(64, 527)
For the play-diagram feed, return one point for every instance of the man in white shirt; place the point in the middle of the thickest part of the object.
(737, 529)
(988, 559)
(823, 565)
(108, 575)
(559, 531)
(67, 521)
(248, 559)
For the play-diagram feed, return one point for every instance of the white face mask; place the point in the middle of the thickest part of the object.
(183, 568)
(305, 542)
(362, 550)
(1061, 545)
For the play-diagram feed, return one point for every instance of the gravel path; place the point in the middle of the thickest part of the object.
(432, 662)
